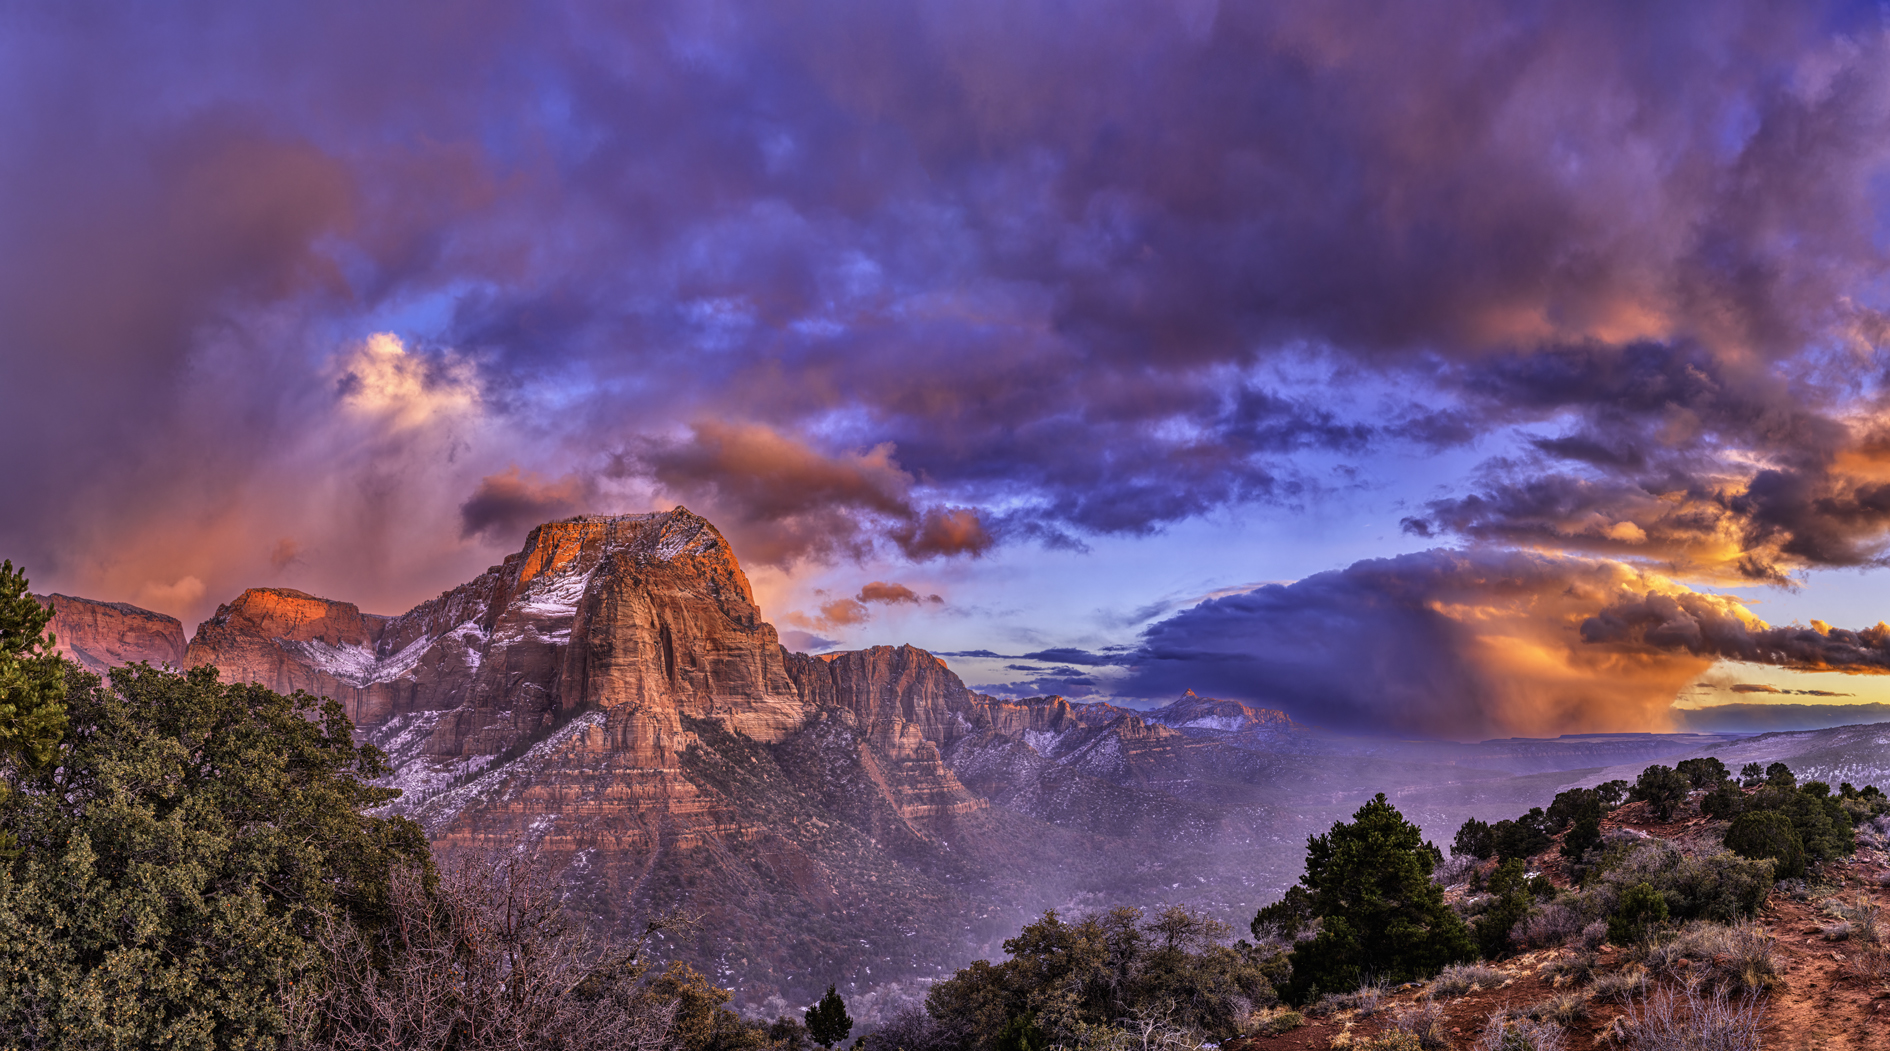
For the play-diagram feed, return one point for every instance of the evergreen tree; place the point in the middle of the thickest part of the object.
(1662, 788)
(1474, 839)
(827, 1021)
(181, 852)
(1751, 775)
(1768, 834)
(1379, 910)
(32, 688)
(1284, 919)
(1702, 773)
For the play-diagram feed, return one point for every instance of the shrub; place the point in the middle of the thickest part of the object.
(1564, 1009)
(1620, 987)
(1389, 1040)
(1458, 868)
(1639, 911)
(1718, 886)
(1577, 968)
(1724, 802)
(1512, 904)
(1557, 923)
(1507, 1032)
(1702, 773)
(1277, 1021)
(1762, 834)
(1864, 916)
(1739, 958)
(1692, 1023)
(1662, 789)
(1425, 1021)
(1778, 775)
(1463, 978)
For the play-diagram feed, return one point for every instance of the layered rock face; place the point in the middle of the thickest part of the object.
(103, 635)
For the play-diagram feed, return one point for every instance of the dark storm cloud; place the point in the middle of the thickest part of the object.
(511, 503)
(1456, 643)
(939, 275)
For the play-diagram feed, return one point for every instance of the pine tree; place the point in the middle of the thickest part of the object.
(827, 1021)
(32, 688)
(1379, 911)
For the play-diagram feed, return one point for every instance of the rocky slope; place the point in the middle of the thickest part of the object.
(103, 635)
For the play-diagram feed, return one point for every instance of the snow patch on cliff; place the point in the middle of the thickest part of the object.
(556, 596)
(498, 784)
(358, 665)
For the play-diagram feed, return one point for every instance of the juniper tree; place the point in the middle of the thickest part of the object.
(1378, 908)
(181, 851)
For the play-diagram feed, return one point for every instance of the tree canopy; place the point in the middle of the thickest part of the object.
(181, 850)
(1379, 911)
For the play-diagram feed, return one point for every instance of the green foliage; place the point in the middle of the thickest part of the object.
(827, 1021)
(1640, 910)
(32, 687)
(1524, 837)
(1474, 839)
(1584, 834)
(1702, 773)
(1073, 983)
(1778, 775)
(1751, 774)
(1612, 793)
(1662, 788)
(1821, 825)
(181, 850)
(1762, 834)
(1379, 911)
(1569, 806)
(1286, 918)
(1724, 802)
(1514, 898)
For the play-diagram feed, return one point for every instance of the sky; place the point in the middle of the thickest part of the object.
(1460, 369)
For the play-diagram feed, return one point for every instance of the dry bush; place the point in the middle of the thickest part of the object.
(1274, 1022)
(1620, 987)
(1836, 932)
(1593, 936)
(1460, 979)
(1564, 1010)
(1692, 1022)
(1508, 1032)
(1578, 968)
(1425, 1022)
(1455, 870)
(1365, 1001)
(488, 961)
(1739, 958)
(1861, 916)
(1389, 1040)
(1557, 923)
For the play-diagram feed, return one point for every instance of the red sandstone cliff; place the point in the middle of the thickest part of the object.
(102, 635)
